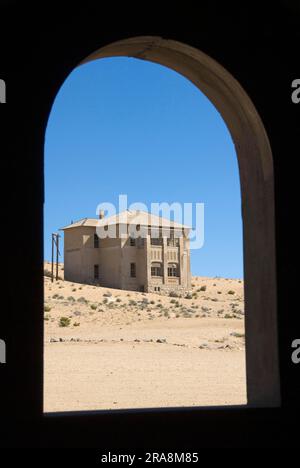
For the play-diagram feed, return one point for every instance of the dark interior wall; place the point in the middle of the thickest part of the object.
(260, 49)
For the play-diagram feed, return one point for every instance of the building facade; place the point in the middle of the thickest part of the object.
(133, 250)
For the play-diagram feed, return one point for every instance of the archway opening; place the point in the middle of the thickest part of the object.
(256, 176)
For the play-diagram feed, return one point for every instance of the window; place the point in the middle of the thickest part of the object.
(156, 288)
(96, 241)
(140, 242)
(96, 271)
(173, 269)
(173, 241)
(132, 241)
(132, 270)
(156, 269)
(156, 241)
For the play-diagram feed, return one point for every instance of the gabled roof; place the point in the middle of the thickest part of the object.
(128, 217)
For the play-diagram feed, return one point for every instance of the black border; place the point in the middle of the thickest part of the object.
(38, 51)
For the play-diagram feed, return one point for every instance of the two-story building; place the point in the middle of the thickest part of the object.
(133, 250)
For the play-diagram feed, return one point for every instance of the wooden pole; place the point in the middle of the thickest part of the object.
(57, 250)
(52, 258)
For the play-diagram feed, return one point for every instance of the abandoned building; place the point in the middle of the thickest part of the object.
(133, 250)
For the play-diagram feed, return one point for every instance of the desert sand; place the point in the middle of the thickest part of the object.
(114, 349)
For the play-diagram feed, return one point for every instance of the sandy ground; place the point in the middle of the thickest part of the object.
(113, 349)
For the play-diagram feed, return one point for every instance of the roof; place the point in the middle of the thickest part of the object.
(128, 217)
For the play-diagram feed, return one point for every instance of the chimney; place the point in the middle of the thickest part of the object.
(101, 214)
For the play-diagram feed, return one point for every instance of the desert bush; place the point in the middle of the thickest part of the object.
(152, 302)
(173, 301)
(239, 311)
(47, 308)
(107, 294)
(119, 300)
(64, 322)
(82, 299)
(238, 335)
(132, 302)
(71, 298)
(174, 294)
(186, 315)
(188, 296)
(93, 306)
(203, 288)
(231, 291)
(55, 296)
(76, 324)
(49, 274)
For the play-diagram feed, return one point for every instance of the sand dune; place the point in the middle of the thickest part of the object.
(111, 349)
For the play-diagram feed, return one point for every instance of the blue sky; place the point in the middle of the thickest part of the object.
(127, 126)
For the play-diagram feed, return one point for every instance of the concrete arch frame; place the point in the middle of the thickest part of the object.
(257, 190)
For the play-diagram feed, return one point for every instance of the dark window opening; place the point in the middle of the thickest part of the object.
(96, 241)
(132, 270)
(156, 269)
(173, 241)
(173, 269)
(96, 271)
(156, 241)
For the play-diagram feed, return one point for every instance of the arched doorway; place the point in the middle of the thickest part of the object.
(256, 176)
